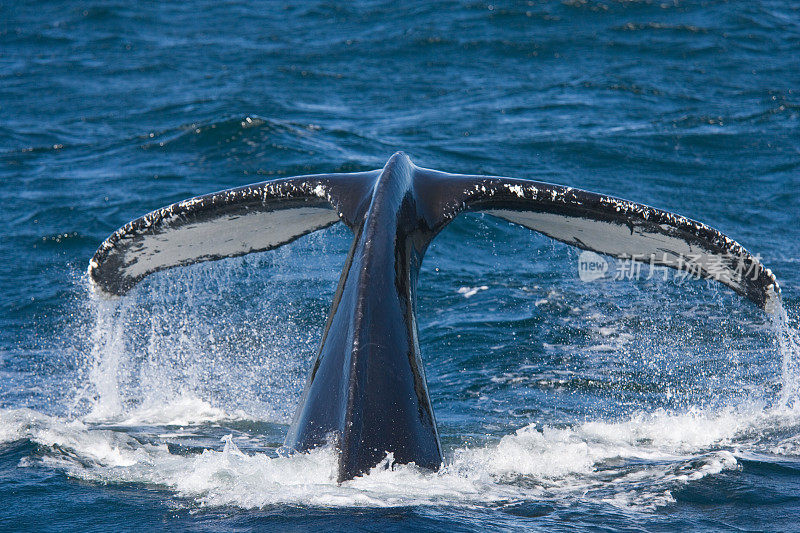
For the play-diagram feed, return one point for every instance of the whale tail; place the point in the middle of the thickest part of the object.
(366, 391)
(266, 215)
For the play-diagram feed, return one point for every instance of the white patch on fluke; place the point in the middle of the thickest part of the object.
(225, 236)
(516, 189)
(320, 191)
(623, 241)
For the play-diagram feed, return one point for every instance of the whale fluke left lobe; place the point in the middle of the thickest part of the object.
(228, 223)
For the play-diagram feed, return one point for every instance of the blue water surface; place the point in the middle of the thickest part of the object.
(653, 404)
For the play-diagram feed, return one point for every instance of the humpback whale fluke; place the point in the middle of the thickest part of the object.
(366, 392)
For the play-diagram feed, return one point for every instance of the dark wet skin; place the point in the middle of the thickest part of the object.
(366, 391)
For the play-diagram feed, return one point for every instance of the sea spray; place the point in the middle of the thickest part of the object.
(195, 345)
(788, 344)
(107, 353)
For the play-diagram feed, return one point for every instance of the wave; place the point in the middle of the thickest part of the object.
(185, 411)
(634, 463)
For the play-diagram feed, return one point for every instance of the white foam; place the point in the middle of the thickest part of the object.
(15, 424)
(468, 292)
(633, 462)
(185, 411)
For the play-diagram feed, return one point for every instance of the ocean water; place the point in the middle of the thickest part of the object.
(653, 404)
